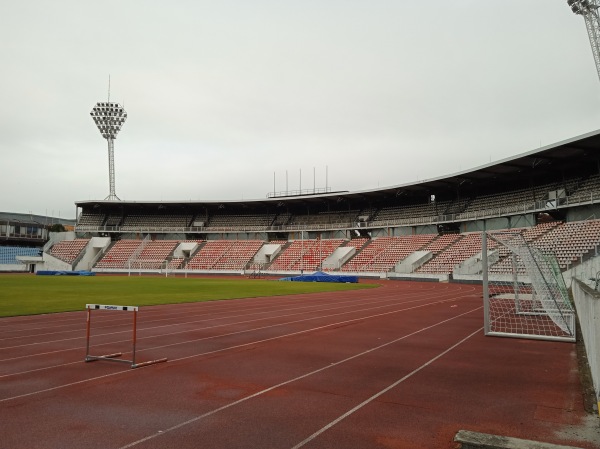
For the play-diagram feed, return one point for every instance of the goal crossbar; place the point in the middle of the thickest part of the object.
(114, 356)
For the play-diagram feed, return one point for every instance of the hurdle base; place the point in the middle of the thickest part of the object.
(93, 358)
(150, 362)
(113, 358)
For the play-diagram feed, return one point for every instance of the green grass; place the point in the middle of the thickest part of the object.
(30, 295)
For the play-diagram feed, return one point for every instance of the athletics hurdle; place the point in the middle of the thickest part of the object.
(113, 357)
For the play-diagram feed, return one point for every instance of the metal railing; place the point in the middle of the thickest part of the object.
(513, 209)
(303, 192)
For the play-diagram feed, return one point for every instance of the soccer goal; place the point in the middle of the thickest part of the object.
(141, 266)
(524, 292)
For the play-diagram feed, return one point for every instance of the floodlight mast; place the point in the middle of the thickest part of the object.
(589, 10)
(109, 118)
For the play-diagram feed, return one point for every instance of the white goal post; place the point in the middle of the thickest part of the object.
(524, 292)
(140, 266)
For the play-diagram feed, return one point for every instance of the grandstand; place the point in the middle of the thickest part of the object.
(23, 236)
(9, 254)
(424, 230)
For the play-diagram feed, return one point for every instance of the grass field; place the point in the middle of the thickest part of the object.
(30, 295)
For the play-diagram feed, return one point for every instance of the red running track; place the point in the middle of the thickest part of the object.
(404, 365)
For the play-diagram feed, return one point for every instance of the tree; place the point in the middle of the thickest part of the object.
(57, 227)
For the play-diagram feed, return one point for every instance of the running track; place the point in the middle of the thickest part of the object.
(403, 365)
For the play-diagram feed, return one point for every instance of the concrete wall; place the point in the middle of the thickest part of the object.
(379, 233)
(474, 264)
(95, 246)
(583, 212)
(13, 267)
(492, 224)
(585, 271)
(587, 303)
(404, 230)
(339, 257)
(413, 261)
(52, 263)
(429, 229)
(184, 249)
(475, 226)
(267, 253)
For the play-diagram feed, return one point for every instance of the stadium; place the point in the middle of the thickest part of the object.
(460, 311)
(429, 230)
(397, 236)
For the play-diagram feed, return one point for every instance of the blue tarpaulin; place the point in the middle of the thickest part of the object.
(65, 273)
(319, 276)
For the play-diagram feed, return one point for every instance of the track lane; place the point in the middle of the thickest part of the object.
(118, 323)
(360, 324)
(202, 395)
(56, 347)
(216, 343)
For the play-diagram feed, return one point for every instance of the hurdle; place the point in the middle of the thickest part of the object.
(113, 357)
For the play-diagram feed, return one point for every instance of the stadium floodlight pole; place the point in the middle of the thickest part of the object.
(589, 10)
(302, 252)
(109, 118)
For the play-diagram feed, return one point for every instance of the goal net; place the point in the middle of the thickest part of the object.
(524, 291)
(140, 266)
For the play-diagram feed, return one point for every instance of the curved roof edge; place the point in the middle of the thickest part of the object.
(568, 153)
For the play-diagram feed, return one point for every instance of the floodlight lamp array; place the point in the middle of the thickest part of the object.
(109, 118)
(582, 7)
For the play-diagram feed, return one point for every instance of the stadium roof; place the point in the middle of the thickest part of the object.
(578, 155)
(31, 218)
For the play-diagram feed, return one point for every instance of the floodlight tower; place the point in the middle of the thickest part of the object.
(589, 10)
(109, 118)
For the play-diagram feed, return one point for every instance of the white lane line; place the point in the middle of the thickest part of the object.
(205, 309)
(150, 319)
(128, 331)
(385, 390)
(58, 319)
(266, 390)
(392, 299)
(210, 337)
(79, 348)
(217, 336)
(215, 351)
(141, 329)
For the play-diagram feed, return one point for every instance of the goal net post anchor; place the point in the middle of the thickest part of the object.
(114, 356)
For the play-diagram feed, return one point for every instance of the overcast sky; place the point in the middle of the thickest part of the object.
(222, 94)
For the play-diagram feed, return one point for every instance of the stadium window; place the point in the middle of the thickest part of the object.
(432, 198)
